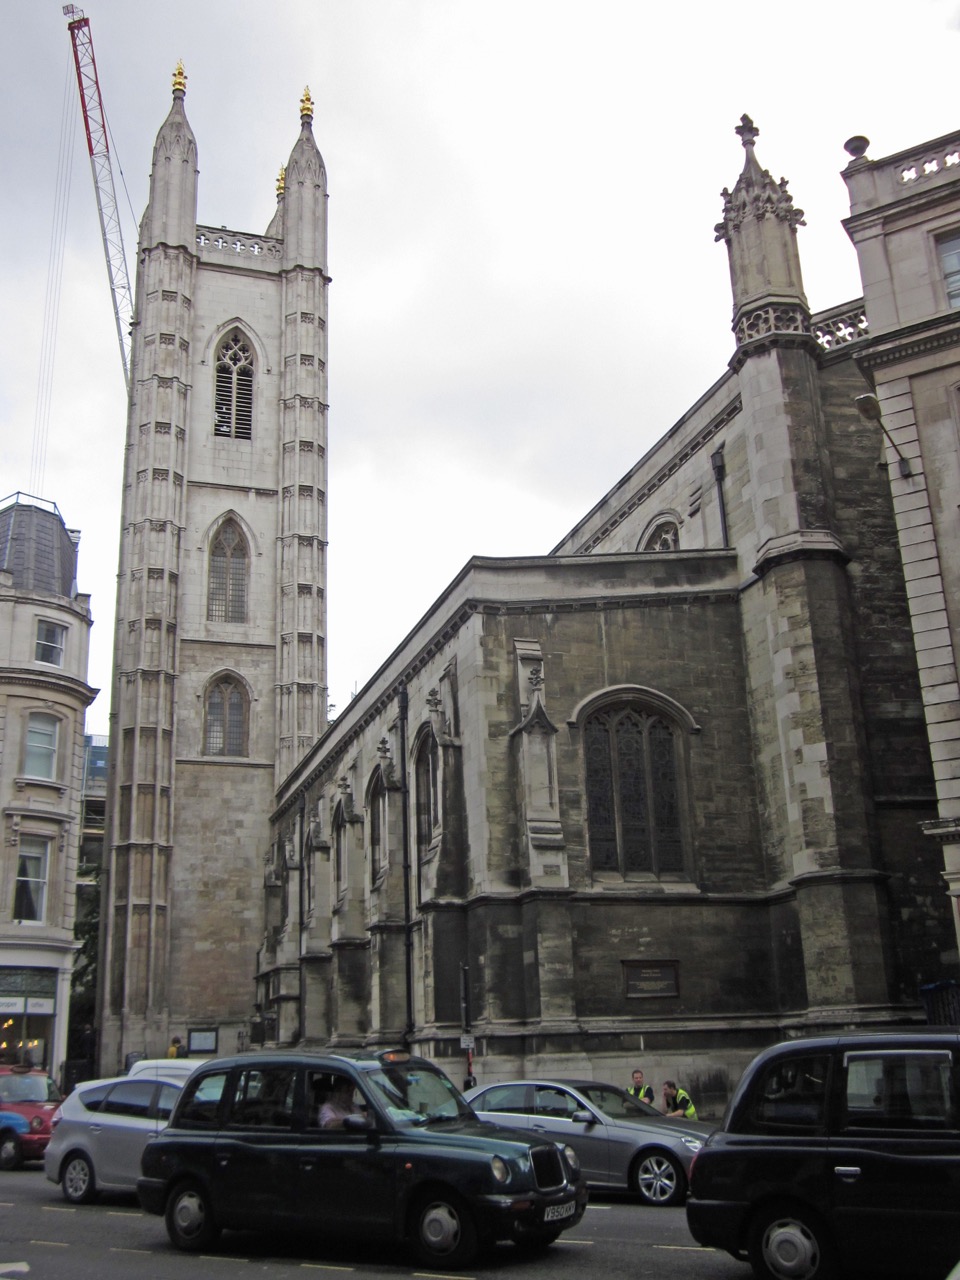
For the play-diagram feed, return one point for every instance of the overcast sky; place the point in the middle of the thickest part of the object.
(526, 290)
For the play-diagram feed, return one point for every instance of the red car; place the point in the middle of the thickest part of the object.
(28, 1092)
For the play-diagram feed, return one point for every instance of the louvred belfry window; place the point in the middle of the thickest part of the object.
(633, 800)
(234, 390)
(227, 582)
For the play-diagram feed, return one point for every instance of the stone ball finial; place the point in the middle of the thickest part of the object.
(856, 146)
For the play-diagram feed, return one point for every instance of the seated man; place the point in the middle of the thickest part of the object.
(339, 1105)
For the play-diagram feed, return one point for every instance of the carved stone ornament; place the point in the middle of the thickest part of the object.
(755, 195)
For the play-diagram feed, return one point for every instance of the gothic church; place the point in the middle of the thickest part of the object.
(666, 790)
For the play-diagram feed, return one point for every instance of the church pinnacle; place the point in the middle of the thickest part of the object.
(759, 228)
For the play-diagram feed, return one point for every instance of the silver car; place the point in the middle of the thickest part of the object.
(99, 1133)
(622, 1143)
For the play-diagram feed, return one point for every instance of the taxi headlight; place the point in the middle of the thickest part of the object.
(572, 1159)
(501, 1170)
(36, 1124)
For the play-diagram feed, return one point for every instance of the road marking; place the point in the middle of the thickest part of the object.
(439, 1275)
(124, 1213)
(684, 1248)
(576, 1242)
(57, 1208)
(216, 1257)
(8, 1268)
(322, 1266)
(118, 1249)
(52, 1244)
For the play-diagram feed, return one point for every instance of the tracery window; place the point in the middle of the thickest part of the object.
(234, 388)
(631, 760)
(225, 718)
(228, 575)
(664, 537)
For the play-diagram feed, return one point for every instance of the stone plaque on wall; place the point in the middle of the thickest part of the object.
(644, 979)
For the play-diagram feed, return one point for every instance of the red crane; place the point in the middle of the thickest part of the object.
(96, 129)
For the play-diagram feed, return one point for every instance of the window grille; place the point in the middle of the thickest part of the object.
(227, 584)
(665, 537)
(234, 389)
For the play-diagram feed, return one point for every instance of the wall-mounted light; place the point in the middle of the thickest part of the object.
(869, 408)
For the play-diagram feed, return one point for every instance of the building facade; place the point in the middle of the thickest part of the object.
(664, 791)
(905, 223)
(219, 665)
(44, 646)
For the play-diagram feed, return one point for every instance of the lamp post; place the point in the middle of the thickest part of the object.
(869, 408)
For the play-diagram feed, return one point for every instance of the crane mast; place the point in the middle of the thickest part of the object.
(94, 124)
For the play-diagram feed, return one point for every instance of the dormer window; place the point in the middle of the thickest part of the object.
(234, 389)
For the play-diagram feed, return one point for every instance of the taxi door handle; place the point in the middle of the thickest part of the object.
(849, 1172)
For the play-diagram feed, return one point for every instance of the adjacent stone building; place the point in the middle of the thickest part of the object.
(219, 665)
(661, 793)
(44, 646)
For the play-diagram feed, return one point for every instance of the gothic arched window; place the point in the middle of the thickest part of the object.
(377, 803)
(427, 785)
(632, 766)
(339, 850)
(227, 578)
(233, 396)
(225, 718)
(664, 537)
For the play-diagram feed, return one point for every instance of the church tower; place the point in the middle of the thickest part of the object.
(219, 662)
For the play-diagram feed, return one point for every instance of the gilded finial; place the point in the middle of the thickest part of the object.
(179, 78)
(306, 105)
(281, 180)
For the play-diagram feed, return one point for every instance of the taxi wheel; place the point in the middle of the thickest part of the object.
(444, 1231)
(658, 1179)
(11, 1150)
(190, 1222)
(77, 1181)
(790, 1242)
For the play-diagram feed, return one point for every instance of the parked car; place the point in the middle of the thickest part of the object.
(379, 1145)
(99, 1133)
(621, 1142)
(837, 1154)
(166, 1068)
(30, 1093)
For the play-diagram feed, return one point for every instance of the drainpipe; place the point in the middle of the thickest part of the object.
(719, 473)
(405, 840)
(300, 974)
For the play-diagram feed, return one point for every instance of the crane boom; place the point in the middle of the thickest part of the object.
(95, 125)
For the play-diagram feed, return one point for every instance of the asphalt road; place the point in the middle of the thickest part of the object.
(44, 1237)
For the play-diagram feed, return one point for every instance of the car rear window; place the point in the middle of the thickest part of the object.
(899, 1089)
(28, 1088)
(93, 1097)
(129, 1098)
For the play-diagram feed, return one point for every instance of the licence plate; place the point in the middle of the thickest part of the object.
(555, 1211)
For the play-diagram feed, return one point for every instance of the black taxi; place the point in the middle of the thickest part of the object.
(838, 1154)
(376, 1145)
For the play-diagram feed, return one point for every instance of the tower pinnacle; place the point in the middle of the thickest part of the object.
(179, 78)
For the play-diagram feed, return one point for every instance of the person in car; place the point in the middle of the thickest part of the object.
(338, 1106)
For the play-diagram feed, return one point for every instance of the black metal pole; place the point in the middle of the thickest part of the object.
(719, 472)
